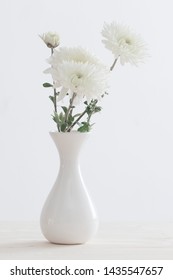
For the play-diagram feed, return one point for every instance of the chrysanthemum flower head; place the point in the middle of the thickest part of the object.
(75, 70)
(51, 39)
(123, 43)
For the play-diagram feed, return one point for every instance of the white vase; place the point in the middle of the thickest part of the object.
(68, 215)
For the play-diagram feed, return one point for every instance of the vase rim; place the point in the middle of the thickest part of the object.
(71, 132)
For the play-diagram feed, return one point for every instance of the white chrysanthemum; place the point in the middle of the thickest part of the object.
(75, 70)
(84, 79)
(123, 43)
(51, 39)
(77, 54)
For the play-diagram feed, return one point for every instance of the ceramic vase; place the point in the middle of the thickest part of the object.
(68, 215)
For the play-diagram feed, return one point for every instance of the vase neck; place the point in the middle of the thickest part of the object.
(69, 144)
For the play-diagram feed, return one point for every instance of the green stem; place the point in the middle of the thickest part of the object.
(90, 115)
(58, 128)
(113, 65)
(76, 121)
(84, 112)
(54, 90)
(70, 106)
(55, 105)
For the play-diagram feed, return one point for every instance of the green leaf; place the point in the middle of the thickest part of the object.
(52, 98)
(77, 115)
(97, 109)
(85, 127)
(64, 109)
(70, 118)
(56, 118)
(81, 129)
(61, 117)
(46, 85)
(63, 127)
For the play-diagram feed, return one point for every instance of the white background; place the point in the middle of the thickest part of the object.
(127, 164)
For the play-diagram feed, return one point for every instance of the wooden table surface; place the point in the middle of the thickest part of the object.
(118, 241)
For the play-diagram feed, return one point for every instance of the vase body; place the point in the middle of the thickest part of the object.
(68, 215)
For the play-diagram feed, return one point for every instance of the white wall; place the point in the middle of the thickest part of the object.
(128, 162)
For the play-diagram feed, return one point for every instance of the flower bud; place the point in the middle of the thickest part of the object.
(51, 39)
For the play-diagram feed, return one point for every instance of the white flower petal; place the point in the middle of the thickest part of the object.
(47, 71)
(62, 93)
(123, 43)
(86, 80)
(77, 54)
(56, 84)
(51, 39)
(76, 70)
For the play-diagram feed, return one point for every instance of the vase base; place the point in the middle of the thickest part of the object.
(69, 233)
(67, 244)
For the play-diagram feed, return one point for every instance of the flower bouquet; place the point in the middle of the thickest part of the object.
(80, 79)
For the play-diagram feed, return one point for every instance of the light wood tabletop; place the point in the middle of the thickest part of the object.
(114, 241)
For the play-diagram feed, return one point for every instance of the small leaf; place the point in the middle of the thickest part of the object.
(64, 109)
(63, 127)
(85, 127)
(52, 98)
(70, 118)
(56, 118)
(46, 85)
(61, 117)
(89, 110)
(97, 109)
(81, 129)
(77, 115)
